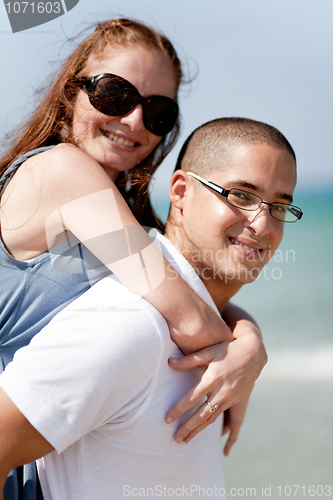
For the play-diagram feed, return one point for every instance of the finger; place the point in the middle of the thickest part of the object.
(186, 362)
(185, 403)
(200, 427)
(199, 391)
(231, 441)
(199, 420)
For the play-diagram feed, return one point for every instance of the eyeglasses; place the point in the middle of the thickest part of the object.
(115, 96)
(248, 201)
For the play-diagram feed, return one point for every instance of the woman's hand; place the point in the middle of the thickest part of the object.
(232, 368)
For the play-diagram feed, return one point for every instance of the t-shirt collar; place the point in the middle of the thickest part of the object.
(182, 266)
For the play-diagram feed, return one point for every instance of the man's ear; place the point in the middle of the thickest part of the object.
(178, 187)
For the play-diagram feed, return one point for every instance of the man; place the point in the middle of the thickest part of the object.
(95, 384)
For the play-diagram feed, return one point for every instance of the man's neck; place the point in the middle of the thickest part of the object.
(220, 288)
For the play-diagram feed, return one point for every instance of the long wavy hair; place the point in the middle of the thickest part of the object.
(55, 113)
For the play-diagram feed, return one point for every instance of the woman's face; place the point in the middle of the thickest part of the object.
(119, 143)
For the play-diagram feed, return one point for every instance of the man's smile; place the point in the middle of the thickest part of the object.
(252, 249)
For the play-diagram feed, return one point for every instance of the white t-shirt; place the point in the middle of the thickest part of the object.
(96, 384)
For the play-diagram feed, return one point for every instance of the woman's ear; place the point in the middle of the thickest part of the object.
(178, 187)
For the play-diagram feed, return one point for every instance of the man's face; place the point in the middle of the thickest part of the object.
(223, 241)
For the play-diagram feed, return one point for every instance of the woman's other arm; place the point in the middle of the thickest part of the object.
(231, 370)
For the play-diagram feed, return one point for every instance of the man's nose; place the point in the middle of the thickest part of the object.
(259, 220)
(134, 119)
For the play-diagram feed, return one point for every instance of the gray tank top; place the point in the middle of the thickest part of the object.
(32, 292)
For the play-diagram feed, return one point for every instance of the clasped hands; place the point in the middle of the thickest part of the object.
(230, 370)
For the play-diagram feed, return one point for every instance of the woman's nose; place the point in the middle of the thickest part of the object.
(134, 119)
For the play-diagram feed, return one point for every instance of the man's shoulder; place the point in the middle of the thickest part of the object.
(107, 326)
(105, 294)
(105, 311)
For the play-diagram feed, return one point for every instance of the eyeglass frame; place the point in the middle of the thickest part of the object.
(225, 193)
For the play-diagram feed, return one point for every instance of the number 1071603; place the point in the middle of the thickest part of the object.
(33, 7)
(305, 491)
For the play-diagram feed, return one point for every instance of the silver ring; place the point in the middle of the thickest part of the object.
(212, 409)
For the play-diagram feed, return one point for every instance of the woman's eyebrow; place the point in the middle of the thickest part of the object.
(260, 190)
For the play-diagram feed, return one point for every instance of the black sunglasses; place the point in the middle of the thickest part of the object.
(115, 96)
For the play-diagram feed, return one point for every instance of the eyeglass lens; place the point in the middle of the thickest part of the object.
(249, 201)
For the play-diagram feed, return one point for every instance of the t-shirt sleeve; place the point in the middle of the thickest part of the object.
(85, 369)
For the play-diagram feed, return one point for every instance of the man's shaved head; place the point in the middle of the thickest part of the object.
(211, 146)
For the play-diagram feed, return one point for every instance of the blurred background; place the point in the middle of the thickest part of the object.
(270, 61)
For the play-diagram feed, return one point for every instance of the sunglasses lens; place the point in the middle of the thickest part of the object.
(113, 96)
(160, 115)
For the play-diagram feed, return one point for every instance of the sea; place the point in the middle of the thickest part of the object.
(285, 447)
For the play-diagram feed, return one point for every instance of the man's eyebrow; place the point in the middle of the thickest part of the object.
(244, 184)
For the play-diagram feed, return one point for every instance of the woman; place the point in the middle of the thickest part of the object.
(111, 116)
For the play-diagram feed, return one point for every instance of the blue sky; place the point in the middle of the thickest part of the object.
(267, 60)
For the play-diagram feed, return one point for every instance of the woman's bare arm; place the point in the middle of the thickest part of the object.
(64, 189)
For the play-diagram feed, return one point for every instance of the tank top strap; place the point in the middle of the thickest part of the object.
(8, 174)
